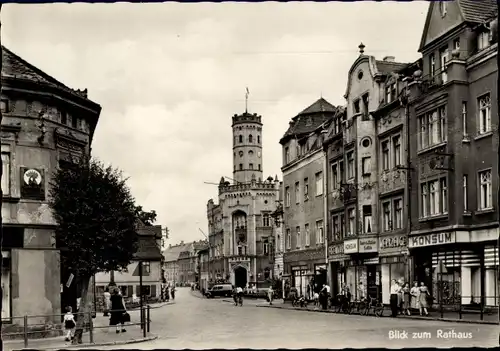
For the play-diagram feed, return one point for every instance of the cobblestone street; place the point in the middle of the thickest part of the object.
(198, 323)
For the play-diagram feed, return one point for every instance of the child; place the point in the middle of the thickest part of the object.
(316, 299)
(69, 323)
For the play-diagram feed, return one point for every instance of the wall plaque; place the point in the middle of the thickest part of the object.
(32, 183)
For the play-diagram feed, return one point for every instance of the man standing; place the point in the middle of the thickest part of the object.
(395, 289)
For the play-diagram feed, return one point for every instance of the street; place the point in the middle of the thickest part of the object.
(199, 323)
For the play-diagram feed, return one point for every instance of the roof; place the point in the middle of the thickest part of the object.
(149, 230)
(310, 119)
(385, 67)
(14, 66)
(478, 10)
(172, 253)
(148, 249)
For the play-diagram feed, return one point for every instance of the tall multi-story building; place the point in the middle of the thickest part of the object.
(246, 205)
(304, 196)
(171, 262)
(216, 267)
(45, 125)
(279, 242)
(188, 262)
(453, 111)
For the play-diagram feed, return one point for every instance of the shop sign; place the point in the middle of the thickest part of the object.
(392, 242)
(335, 250)
(351, 246)
(368, 245)
(432, 239)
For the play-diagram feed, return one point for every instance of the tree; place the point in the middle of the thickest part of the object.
(96, 217)
(148, 218)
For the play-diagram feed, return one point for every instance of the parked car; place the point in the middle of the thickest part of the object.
(219, 290)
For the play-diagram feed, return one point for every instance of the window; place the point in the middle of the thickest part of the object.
(356, 107)
(266, 220)
(250, 165)
(287, 196)
(265, 247)
(240, 251)
(306, 189)
(250, 138)
(367, 219)
(308, 235)
(350, 165)
(241, 166)
(432, 64)
(433, 198)
(319, 183)
(351, 222)
(386, 164)
(442, 8)
(432, 127)
(398, 214)
(250, 153)
(258, 167)
(146, 267)
(288, 239)
(336, 228)
(386, 213)
(485, 190)
(4, 105)
(297, 192)
(456, 44)
(5, 173)
(297, 150)
(258, 139)
(366, 111)
(320, 237)
(444, 55)
(74, 121)
(335, 176)
(396, 150)
(483, 40)
(287, 155)
(64, 117)
(465, 191)
(388, 95)
(297, 231)
(366, 165)
(484, 103)
(240, 139)
(464, 119)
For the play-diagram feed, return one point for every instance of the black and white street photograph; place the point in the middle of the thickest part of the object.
(259, 175)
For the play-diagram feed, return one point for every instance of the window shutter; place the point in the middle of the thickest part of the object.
(153, 290)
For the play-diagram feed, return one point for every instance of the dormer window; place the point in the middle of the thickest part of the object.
(483, 40)
(442, 8)
(390, 92)
(309, 121)
(356, 106)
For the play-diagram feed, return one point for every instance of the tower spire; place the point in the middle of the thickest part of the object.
(246, 100)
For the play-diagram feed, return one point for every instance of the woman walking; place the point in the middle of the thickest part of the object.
(406, 299)
(118, 311)
(107, 302)
(414, 292)
(422, 298)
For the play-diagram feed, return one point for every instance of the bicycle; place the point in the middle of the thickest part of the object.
(359, 306)
(376, 306)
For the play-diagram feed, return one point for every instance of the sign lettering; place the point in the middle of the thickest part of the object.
(393, 242)
(432, 239)
(337, 249)
(368, 245)
(351, 246)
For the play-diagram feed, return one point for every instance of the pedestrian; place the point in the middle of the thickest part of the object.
(414, 292)
(69, 324)
(118, 311)
(361, 291)
(107, 301)
(394, 298)
(172, 292)
(422, 298)
(316, 299)
(406, 299)
(167, 293)
(270, 294)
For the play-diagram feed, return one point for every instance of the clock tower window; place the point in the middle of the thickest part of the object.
(250, 138)
(241, 138)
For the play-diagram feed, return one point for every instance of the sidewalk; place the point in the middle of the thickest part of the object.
(103, 335)
(448, 316)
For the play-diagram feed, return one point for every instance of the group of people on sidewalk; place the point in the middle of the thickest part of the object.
(404, 299)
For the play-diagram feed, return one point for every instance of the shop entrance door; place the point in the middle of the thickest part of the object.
(371, 281)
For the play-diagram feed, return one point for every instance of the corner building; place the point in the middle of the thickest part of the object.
(246, 206)
(454, 116)
(45, 125)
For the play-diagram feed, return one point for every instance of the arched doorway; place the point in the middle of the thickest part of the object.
(240, 276)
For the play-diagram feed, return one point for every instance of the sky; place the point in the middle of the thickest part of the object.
(169, 76)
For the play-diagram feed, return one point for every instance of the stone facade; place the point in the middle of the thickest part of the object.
(44, 125)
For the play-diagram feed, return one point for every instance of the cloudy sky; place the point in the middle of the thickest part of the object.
(170, 76)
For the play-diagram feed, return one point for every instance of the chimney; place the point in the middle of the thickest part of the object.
(169, 246)
(389, 59)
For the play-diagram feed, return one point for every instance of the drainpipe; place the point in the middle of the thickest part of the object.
(325, 214)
